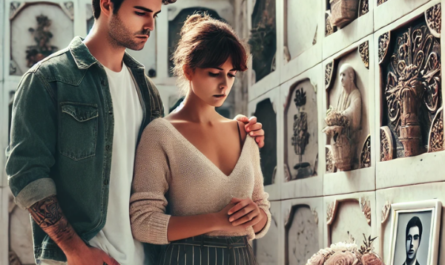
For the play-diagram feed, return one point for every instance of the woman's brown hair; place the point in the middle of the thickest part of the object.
(207, 43)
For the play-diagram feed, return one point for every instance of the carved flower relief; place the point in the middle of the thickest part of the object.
(386, 144)
(365, 206)
(379, 2)
(415, 67)
(383, 46)
(364, 7)
(364, 53)
(434, 19)
(328, 73)
(365, 156)
(436, 133)
(330, 166)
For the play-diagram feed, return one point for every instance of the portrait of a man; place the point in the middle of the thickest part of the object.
(414, 231)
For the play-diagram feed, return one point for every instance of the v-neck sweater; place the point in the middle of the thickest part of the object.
(170, 170)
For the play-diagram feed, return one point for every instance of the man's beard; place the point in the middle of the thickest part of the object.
(120, 36)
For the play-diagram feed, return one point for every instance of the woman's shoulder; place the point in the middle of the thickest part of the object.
(156, 129)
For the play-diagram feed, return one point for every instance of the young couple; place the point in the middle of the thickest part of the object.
(101, 171)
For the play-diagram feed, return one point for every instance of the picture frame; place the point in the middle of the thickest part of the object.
(418, 222)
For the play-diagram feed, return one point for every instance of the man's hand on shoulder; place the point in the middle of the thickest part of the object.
(253, 128)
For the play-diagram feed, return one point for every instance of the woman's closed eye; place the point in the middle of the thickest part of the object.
(217, 74)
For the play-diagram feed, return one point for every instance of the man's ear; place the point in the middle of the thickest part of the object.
(188, 72)
(106, 7)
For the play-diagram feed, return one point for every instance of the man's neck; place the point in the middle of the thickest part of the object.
(412, 262)
(102, 48)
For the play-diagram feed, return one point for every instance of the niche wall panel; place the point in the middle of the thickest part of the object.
(409, 111)
(4, 120)
(4, 225)
(358, 16)
(36, 30)
(348, 216)
(303, 229)
(269, 248)
(303, 35)
(301, 134)
(265, 24)
(348, 115)
(389, 11)
(410, 193)
(265, 109)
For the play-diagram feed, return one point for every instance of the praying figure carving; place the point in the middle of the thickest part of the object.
(344, 121)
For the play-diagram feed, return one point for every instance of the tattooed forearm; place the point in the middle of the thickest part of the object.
(48, 215)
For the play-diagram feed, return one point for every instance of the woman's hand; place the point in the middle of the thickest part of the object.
(223, 223)
(244, 213)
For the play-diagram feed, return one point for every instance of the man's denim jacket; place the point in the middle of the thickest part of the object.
(62, 136)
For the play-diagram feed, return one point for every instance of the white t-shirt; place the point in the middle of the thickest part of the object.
(116, 238)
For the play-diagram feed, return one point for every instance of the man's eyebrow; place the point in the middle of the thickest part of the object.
(146, 9)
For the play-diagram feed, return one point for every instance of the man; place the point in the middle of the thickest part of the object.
(77, 118)
(413, 236)
(350, 102)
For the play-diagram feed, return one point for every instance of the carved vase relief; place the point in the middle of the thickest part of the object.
(263, 38)
(266, 115)
(302, 235)
(301, 132)
(37, 31)
(346, 119)
(301, 30)
(342, 12)
(412, 87)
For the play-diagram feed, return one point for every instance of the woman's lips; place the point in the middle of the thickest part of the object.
(219, 96)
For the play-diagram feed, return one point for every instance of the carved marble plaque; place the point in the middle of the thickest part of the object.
(49, 23)
(267, 116)
(301, 131)
(175, 25)
(302, 28)
(349, 220)
(263, 38)
(360, 126)
(301, 235)
(411, 85)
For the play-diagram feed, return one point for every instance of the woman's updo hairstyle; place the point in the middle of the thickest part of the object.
(207, 43)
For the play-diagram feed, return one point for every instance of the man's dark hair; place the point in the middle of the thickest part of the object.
(117, 4)
(415, 221)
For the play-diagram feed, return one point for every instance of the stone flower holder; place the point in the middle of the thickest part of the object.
(337, 130)
(343, 12)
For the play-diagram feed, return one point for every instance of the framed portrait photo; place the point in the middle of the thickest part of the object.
(415, 232)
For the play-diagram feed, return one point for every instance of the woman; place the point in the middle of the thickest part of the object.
(202, 165)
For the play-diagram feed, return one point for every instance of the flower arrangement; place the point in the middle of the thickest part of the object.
(347, 254)
(335, 118)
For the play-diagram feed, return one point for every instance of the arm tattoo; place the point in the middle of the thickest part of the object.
(48, 215)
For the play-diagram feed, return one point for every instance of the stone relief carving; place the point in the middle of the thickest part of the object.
(13, 8)
(329, 28)
(364, 7)
(383, 46)
(365, 155)
(343, 12)
(386, 144)
(300, 138)
(68, 8)
(433, 17)
(365, 206)
(329, 71)
(344, 121)
(435, 142)
(42, 37)
(385, 212)
(330, 166)
(287, 176)
(330, 212)
(363, 50)
(413, 85)
(379, 2)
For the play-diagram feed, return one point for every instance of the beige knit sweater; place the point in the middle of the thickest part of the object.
(171, 170)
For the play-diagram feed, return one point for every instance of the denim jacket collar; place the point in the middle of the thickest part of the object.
(84, 59)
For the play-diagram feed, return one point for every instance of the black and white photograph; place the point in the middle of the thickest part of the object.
(414, 233)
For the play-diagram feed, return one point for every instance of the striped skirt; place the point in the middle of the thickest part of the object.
(203, 250)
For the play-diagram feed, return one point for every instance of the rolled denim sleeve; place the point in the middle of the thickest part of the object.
(32, 146)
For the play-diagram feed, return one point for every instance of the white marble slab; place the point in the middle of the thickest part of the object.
(4, 227)
(303, 229)
(311, 186)
(362, 179)
(356, 30)
(411, 193)
(348, 217)
(268, 250)
(300, 31)
(274, 190)
(408, 170)
(392, 10)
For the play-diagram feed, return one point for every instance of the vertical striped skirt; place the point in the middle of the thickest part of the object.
(203, 250)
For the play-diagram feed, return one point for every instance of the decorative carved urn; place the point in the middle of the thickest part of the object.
(343, 12)
(339, 132)
(410, 131)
